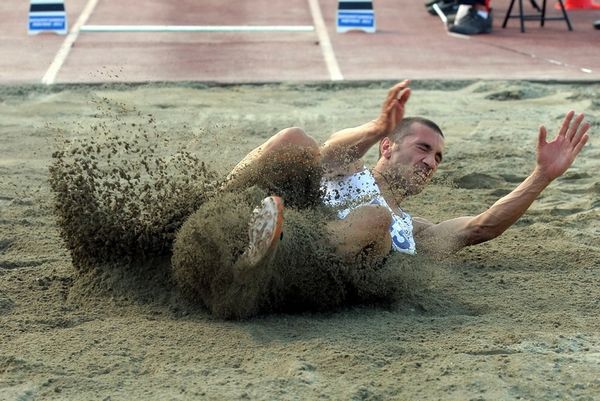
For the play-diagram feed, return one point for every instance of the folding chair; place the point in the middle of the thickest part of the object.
(541, 16)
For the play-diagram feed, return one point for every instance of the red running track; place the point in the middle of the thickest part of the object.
(409, 43)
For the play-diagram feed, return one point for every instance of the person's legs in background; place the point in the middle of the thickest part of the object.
(447, 7)
(473, 17)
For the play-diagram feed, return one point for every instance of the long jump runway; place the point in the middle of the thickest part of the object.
(292, 40)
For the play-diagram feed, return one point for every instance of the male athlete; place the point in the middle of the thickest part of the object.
(279, 262)
(410, 150)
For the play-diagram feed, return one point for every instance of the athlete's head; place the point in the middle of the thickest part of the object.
(411, 154)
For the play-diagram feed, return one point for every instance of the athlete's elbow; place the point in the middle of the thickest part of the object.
(480, 233)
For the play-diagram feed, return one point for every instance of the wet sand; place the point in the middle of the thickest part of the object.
(515, 318)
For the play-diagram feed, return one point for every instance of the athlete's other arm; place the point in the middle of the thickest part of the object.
(552, 160)
(342, 153)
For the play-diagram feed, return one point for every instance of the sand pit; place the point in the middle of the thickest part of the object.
(515, 318)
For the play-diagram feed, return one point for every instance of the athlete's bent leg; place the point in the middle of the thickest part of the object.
(279, 143)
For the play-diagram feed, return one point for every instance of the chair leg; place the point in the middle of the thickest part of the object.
(512, 3)
(521, 17)
(564, 12)
(543, 16)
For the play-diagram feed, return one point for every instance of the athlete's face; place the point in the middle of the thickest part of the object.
(412, 162)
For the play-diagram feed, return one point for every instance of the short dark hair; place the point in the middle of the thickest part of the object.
(403, 128)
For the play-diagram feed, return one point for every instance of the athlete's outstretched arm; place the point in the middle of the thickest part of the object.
(552, 160)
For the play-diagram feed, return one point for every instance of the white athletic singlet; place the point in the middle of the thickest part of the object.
(349, 192)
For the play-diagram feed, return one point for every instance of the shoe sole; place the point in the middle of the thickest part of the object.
(458, 31)
(265, 230)
(471, 33)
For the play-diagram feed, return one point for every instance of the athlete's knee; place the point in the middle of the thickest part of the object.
(372, 218)
(295, 136)
(381, 218)
(368, 230)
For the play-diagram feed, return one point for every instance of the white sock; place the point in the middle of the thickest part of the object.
(462, 11)
(483, 13)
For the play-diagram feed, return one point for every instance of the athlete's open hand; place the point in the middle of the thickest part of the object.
(392, 111)
(556, 156)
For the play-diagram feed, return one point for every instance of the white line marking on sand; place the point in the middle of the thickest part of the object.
(197, 28)
(64, 50)
(332, 65)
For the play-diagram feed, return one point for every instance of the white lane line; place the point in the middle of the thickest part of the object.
(332, 65)
(64, 50)
(197, 28)
(535, 56)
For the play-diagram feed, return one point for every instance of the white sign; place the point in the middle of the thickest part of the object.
(355, 15)
(47, 16)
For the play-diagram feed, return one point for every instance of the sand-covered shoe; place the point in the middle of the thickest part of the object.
(265, 231)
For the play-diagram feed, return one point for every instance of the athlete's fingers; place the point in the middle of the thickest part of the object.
(580, 144)
(581, 133)
(542, 136)
(403, 96)
(574, 127)
(566, 122)
(393, 93)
